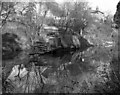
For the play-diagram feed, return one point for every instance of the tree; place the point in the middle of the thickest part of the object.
(22, 13)
(117, 15)
(6, 10)
(76, 16)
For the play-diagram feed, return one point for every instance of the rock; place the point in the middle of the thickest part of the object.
(76, 41)
(84, 43)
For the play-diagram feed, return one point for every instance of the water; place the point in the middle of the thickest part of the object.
(84, 71)
(77, 62)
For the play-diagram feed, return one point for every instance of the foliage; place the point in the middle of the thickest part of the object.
(117, 15)
(100, 32)
(76, 18)
(68, 18)
(56, 71)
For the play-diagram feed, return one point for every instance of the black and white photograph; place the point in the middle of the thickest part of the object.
(60, 46)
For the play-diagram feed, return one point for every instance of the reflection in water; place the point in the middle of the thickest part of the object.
(80, 62)
(75, 71)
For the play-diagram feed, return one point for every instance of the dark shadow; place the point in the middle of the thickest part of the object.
(10, 47)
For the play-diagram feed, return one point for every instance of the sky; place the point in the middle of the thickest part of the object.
(108, 6)
(104, 5)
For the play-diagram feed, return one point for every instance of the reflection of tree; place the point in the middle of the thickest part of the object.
(61, 72)
(98, 54)
(69, 73)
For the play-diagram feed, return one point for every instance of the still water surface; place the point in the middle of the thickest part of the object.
(79, 70)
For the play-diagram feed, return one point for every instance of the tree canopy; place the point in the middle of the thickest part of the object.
(117, 15)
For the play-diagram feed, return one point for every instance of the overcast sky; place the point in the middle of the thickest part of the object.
(104, 5)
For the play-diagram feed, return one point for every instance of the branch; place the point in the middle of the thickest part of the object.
(4, 20)
(7, 14)
(42, 22)
(1, 7)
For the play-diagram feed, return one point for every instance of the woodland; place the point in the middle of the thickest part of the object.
(47, 47)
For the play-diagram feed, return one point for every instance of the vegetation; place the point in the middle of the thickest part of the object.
(45, 48)
(117, 15)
